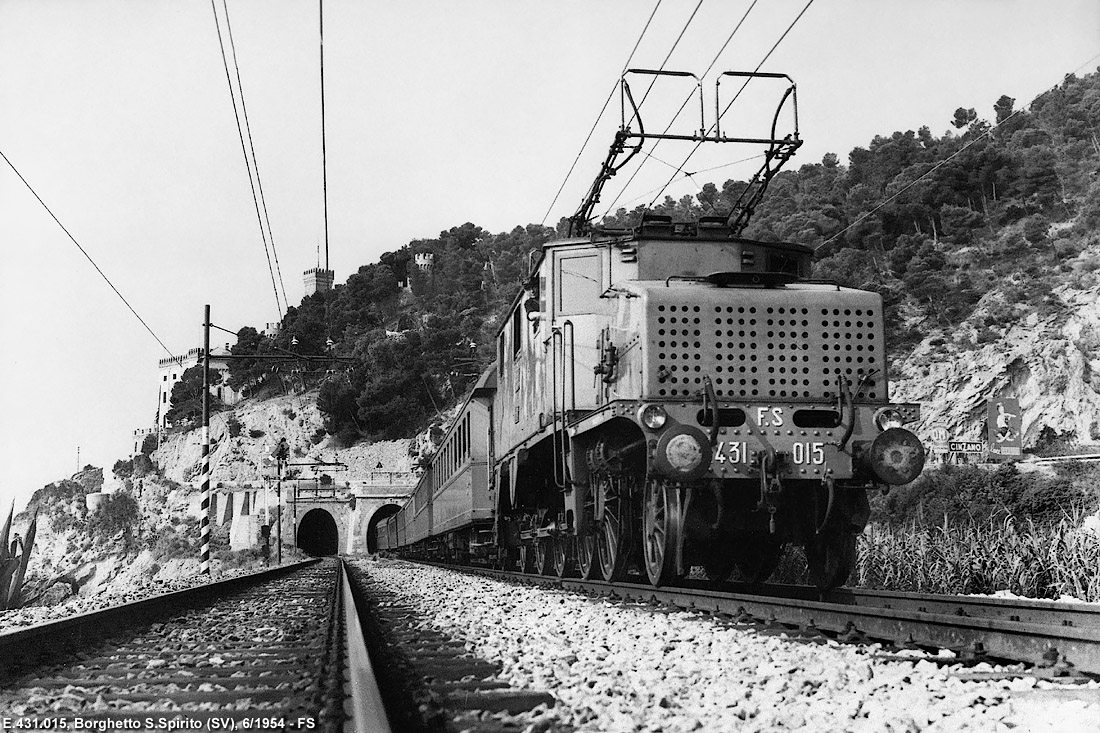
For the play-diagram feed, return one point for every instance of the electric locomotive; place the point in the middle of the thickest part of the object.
(673, 395)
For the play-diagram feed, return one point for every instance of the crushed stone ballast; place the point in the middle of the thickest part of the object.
(612, 663)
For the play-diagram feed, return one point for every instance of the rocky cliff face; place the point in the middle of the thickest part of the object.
(1050, 363)
(240, 459)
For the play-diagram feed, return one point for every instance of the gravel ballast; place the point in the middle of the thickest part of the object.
(616, 666)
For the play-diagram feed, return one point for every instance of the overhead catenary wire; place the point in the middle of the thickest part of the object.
(599, 117)
(948, 159)
(324, 155)
(722, 114)
(592, 197)
(248, 166)
(252, 149)
(680, 111)
(645, 195)
(85, 253)
(649, 88)
(671, 50)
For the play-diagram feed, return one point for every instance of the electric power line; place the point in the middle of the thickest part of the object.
(85, 253)
(680, 111)
(651, 83)
(247, 163)
(653, 80)
(722, 114)
(600, 115)
(324, 157)
(252, 148)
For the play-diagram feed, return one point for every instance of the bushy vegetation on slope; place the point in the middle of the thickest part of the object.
(932, 223)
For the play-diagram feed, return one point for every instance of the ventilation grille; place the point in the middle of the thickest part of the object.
(767, 352)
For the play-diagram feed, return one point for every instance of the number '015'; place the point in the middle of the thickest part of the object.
(812, 453)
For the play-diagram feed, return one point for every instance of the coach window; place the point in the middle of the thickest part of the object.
(578, 284)
(517, 332)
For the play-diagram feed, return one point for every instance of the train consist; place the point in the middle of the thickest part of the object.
(668, 396)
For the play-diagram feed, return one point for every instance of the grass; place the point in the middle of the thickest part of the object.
(1027, 558)
(1035, 560)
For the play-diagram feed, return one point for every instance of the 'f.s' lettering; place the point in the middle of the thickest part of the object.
(769, 417)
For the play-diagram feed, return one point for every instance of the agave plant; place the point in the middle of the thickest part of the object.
(14, 559)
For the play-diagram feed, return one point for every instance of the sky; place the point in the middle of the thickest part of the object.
(118, 114)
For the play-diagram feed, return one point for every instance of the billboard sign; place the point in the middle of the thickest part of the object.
(1003, 416)
(939, 436)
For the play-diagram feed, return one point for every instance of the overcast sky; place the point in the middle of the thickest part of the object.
(438, 113)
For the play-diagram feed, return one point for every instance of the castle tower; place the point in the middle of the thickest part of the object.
(318, 279)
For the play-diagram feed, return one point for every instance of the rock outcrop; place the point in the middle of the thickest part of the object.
(1051, 364)
(241, 459)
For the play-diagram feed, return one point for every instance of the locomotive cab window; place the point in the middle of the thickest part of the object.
(578, 285)
(517, 332)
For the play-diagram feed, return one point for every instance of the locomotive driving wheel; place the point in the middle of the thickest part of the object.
(586, 544)
(586, 556)
(543, 560)
(526, 558)
(614, 537)
(561, 555)
(662, 528)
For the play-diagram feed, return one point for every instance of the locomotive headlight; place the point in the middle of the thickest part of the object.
(888, 417)
(682, 453)
(654, 417)
(896, 456)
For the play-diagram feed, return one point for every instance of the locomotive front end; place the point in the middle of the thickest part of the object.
(788, 381)
(761, 417)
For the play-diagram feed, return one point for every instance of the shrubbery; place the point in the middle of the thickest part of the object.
(118, 513)
(969, 493)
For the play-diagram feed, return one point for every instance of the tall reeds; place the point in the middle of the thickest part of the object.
(1027, 558)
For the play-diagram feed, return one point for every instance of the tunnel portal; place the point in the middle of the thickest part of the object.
(384, 512)
(318, 534)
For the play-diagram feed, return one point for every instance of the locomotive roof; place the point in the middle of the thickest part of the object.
(654, 227)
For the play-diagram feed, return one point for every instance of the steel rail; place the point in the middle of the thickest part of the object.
(365, 709)
(33, 641)
(1028, 610)
(1022, 630)
(345, 678)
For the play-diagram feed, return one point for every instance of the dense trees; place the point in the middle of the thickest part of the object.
(415, 348)
(187, 397)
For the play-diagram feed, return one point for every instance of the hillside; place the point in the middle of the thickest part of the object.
(239, 459)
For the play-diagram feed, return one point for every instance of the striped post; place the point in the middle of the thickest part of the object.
(204, 520)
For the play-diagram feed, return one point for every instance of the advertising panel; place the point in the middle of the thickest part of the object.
(1004, 428)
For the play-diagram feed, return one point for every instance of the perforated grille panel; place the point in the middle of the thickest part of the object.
(781, 344)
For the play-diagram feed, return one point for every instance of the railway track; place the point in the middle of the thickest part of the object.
(433, 681)
(281, 649)
(1054, 639)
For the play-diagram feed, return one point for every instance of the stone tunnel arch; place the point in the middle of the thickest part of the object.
(318, 533)
(383, 512)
